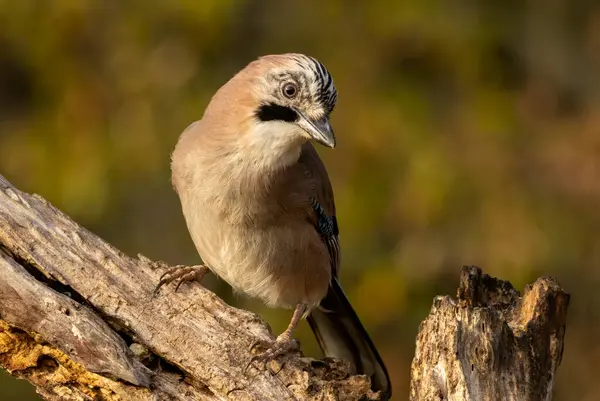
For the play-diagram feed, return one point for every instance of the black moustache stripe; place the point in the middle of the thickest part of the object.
(271, 112)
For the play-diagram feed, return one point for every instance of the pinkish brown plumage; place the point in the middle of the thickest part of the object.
(259, 205)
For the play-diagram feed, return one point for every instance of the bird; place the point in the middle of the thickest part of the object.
(259, 205)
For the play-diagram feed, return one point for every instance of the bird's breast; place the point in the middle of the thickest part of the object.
(281, 260)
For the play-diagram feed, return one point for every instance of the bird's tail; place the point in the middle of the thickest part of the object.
(341, 335)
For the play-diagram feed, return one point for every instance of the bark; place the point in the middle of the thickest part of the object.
(491, 343)
(78, 320)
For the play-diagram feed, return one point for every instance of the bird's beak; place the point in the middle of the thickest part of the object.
(319, 129)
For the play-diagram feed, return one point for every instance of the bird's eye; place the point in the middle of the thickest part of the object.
(290, 90)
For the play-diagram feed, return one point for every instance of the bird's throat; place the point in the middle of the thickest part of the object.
(272, 145)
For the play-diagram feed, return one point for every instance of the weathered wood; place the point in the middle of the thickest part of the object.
(78, 319)
(491, 343)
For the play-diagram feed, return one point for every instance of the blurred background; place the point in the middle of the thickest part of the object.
(468, 132)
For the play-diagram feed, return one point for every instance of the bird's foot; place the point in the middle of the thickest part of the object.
(282, 345)
(181, 274)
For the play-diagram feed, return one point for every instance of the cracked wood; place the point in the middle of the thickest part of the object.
(83, 307)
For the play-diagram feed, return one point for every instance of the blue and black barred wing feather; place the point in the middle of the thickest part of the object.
(328, 229)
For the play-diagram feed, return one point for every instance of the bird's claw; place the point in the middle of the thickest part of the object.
(282, 345)
(181, 274)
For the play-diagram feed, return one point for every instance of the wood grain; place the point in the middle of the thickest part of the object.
(491, 343)
(73, 304)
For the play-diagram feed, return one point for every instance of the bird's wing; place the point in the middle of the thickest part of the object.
(335, 324)
(323, 203)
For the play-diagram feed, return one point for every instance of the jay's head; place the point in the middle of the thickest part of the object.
(282, 99)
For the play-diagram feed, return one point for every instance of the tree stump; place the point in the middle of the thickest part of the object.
(79, 320)
(491, 343)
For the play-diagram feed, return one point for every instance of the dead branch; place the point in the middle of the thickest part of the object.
(79, 321)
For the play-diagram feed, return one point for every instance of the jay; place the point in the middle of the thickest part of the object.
(259, 205)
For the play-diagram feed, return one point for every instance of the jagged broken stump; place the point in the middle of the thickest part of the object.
(491, 344)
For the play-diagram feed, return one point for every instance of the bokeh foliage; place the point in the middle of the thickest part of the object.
(468, 131)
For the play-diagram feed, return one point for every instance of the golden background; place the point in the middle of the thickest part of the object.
(468, 132)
